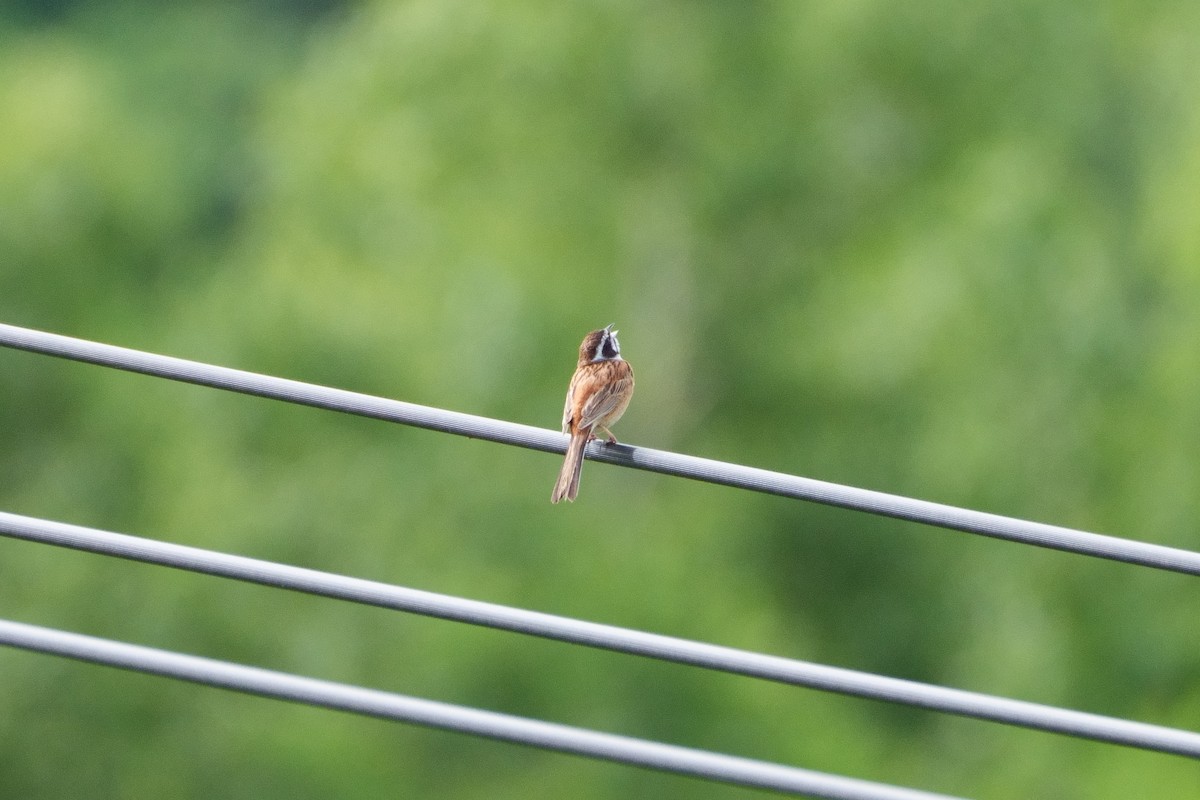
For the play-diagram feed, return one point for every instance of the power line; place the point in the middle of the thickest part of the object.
(666, 648)
(702, 469)
(490, 724)
(533, 732)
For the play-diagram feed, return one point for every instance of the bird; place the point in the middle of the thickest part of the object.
(597, 396)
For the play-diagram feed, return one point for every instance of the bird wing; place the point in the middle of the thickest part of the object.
(602, 403)
(567, 408)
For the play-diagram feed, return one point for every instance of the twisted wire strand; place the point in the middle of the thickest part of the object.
(726, 659)
(701, 469)
(489, 724)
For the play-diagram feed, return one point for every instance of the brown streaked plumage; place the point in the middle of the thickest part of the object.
(597, 396)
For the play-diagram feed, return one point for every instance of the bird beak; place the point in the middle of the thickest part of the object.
(608, 327)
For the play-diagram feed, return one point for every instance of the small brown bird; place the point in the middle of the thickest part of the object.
(596, 398)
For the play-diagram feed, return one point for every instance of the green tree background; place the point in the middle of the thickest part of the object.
(939, 249)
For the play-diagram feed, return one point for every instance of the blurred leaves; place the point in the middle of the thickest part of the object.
(941, 250)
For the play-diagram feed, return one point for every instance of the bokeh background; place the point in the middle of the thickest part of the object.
(948, 250)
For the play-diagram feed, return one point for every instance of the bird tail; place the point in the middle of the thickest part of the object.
(568, 479)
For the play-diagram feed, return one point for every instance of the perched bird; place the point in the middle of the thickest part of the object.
(596, 398)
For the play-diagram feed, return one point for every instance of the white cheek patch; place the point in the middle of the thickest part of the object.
(609, 342)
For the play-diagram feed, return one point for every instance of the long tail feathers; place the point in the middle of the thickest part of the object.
(568, 479)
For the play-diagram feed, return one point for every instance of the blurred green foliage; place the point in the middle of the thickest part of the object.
(940, 249)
